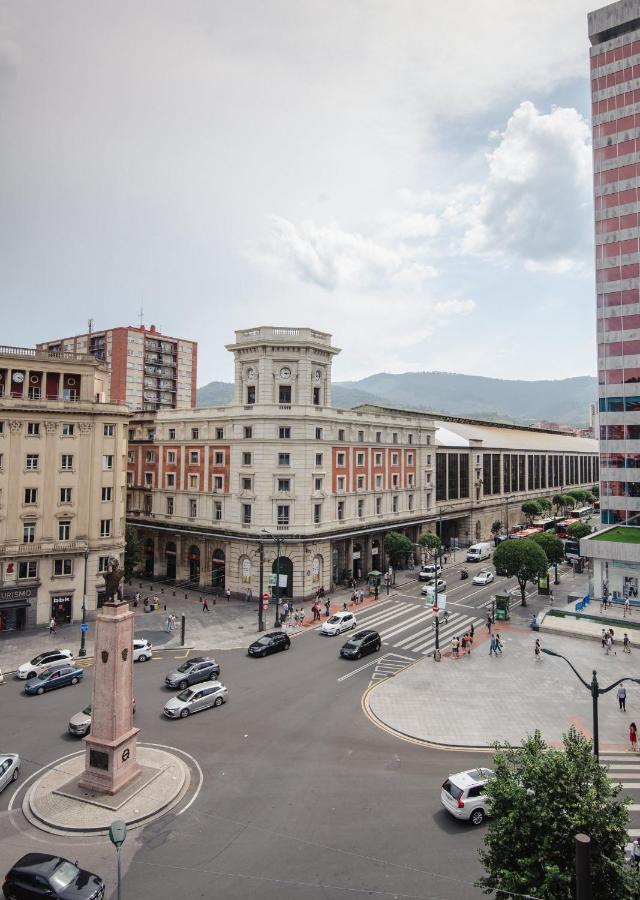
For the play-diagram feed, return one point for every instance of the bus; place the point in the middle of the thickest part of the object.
(584, 513)
(526, 533)
(572, 549)
(545, 524)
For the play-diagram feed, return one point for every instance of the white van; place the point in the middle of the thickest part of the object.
(478, 552)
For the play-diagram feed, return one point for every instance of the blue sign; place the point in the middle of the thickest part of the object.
(84, 627)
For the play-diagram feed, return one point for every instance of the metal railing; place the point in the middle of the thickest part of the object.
(15, 548)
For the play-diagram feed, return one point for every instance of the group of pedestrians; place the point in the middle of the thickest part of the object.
(608, 641)
(170, 622)
(316, 609)
(465, 643)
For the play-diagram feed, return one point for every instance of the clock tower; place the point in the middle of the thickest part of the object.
(282, 366)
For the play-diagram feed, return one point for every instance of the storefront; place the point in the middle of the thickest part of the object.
(18, 608)
(62, 608)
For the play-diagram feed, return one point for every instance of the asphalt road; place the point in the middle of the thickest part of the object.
(302, 796)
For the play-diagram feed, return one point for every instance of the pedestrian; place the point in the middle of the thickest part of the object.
(498, 644)
(622, 698)
(454, 647)
(52, 626)
(167, 624)
(492, 646)
(603, 638)
(376, 591)
(227, 594)
(314, 610)
(627, 606)
(249, 595)
(537, 649)
(633, 735)
(626, 643)
(445, 559)
(489, 624)
(361, 596)
(327, 607)
(609, 645)
(205, 604)
(463, 643)
(471, 633)
(635, 854)
(301, 615)
(296, 617)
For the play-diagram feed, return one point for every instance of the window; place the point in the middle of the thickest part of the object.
(172, 434)
(359, 459)
(109, 430)
(246, 459)
(105, 527)
(284, 432)
(378, 437)
(378, 482)
(341, 459)
(68, 429)
(129, 479)
(150, 456)
(32, 462)
(217, 511)
(340, 482)
(409, 459)
(246, 514)
(360, 508)
(151, 434)
(410, 502)
(378, 459)
(103, 563)
(317, 483)
(318, 459)
(341, 434)
(33, 428)
(28, 569)
(428, 459)
(247, 432)
(218, 483)
(131, 456)
(284, 459)
(395, 438)
(107, 462)
(360, 482)
(316, 396)
(28, 532)
(378, 506)
(193, 508)
(62, 567)
(65, 494)
(409, 438)
(1, 461)
(284, 393)
(170, 506)
(283, 514)
(171, 479)
(410, 479)
(394, 459)
(395, 480)
(340, 510)
(284, 484)
(318, 434)
(246, 484)
(194, 457)
(317, 513)
(67, 462)
(361, 437)
(171, 457)
(30, 496)
(195, 434)
(147, 504)
(193, 482)
(251, 394)
(394, 504)
(219, 434)
(132, 437)
(64, 530)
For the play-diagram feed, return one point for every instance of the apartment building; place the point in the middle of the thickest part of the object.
(208, 487)
(149, 370)
(62, 484)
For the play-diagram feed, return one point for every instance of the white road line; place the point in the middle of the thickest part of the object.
(633, 832)
(407, 623)
(629, 785)
(446, 636)
(455, 619)
(373, 662)
(619, 767)
(629, 757)
(387, 617)
(371, 614)
(633, 807)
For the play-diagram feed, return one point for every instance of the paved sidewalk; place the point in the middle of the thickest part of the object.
(477, 700)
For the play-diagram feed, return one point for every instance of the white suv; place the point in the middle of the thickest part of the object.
(44, 661)
(428, 571)
(339, 622)
(463, 795)
(142, 650)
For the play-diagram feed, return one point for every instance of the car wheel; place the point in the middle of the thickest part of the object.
(184, 713)
(354, 625)
(378, 645)
(142, 658)
(263, 654)
(74, 680)
(31, 675)
(16, 772)
(40, 690)
(10, 895)
(358, 655)
(183, 685)
(286, 646)
(218, 701)
(477, 817)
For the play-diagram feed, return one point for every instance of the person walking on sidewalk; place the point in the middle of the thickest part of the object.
(609, 644)
(498, 644)
(489, 624)
(603, 638)
(622, 698)
(627, 607)
(205, 604)
(227, 594)
(537, 650)
(471, 633)
(327, 607)
(626, 643)
(52, 626)
(492, 646)
(633, 736)
(463, 643)
(455, 644)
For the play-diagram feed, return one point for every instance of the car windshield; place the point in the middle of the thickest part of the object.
(333, 620)
(186, 695)
(38, 659)
(64, 875)
(184, 667)
(263, 641)
(350, 645)
(452, 789)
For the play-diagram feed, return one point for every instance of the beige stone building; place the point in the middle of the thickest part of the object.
(62, 484)
(208, 488)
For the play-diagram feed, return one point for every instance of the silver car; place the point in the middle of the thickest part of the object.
(195, 698)
(80, 723)
(9, 768)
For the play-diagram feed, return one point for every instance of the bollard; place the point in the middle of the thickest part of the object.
(185, 597)
(174, 593)
(183, 624)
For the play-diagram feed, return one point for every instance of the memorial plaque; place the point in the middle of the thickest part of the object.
(99, 760)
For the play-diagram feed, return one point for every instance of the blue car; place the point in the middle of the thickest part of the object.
(60, 676)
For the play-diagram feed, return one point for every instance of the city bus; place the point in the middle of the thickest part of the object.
(545, 524)
(526, 532)
(584, 513)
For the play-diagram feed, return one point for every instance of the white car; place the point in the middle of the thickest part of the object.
(484, 577)
(428, 571)
(142, 650)
(44, 661)
(339, 622)
(9, 768)
(431, 586)
(464, 796)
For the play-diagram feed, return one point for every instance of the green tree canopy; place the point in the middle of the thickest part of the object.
(531, 509)
(545, 503)
(540, 799)
(578, 495)
(132, 552)
(429, 540)
(578, 530)
(497, 527)
(558, 502)
(523, 559)
(552, 546)
(595, 490)
(398, 546)
(569, 501)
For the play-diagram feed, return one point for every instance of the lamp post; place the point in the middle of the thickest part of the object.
(595, 690)
(83, 627)
(117, 835)
(277, 541)
(260, 597)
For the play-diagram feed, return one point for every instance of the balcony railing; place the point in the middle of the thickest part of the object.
(32, 353)
(15, 548)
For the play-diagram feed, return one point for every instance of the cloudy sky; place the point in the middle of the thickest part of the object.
(412, 176)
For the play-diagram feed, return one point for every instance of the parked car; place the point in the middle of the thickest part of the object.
(44, 661)
(142, 650)
(193, 699)
(361, 643)
(430, 586)
(59, 677)
(463, 795)
(38, 875)
(339, 622)
(429, 570)
(80, 723)
(9, 768)
(200, 668)
(484, 577)
(270, 643)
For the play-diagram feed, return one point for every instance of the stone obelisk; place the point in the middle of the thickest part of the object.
(111, 746)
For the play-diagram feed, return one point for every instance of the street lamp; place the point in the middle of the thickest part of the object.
(595, 690)
(83, 627)
(117, 835)
(278, 541)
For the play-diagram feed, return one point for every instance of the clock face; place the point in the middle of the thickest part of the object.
(285, 372)
(317, 375)
(18, 377)
(251, 374)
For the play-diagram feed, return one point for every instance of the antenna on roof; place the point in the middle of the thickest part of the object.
(141, 316)
(91, 326)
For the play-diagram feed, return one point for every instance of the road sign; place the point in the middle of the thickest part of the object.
(273, 580)
(442, 600)
(84, 627)
(265, 598)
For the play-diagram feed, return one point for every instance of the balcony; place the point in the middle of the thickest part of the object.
(40, 548)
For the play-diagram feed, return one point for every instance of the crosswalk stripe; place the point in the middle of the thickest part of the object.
(454, 623)
(406, 623)
(633, 832)
(633, 807)
(387, 614)
(630, 785)
(428, 646)
(417, 635)
(619, 767)
(626, 758)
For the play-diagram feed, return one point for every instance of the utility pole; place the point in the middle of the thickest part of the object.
(260, 598)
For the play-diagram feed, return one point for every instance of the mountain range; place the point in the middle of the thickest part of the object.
(565, 400)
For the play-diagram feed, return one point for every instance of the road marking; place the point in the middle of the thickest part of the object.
(407, 623)
(387, 616)
(360, 669)
(426, 647)
(390, 666)
(182, 655)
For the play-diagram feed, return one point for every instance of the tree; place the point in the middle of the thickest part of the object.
(552, 546)
(540, 799)
(523, 559)
(558, 502)
(578, 495)
(578, 530)
(429, 541)
(132, 552)
(397, 546)
(569, 501)
(545, 503)
(531, 509)
(496, 528)
(595, 490)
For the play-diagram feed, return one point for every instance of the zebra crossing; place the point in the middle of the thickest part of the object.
(624, 769)
(408, 627)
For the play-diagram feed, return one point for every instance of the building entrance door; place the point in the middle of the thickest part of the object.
(61, 609)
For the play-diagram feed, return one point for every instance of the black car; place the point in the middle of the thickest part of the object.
(38, 875)
(361, 643)
(192, 671)
(270, 643)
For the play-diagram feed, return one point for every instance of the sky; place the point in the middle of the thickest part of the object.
(413, 177)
